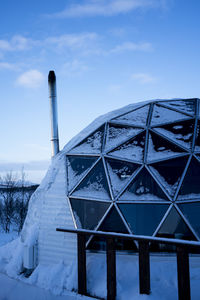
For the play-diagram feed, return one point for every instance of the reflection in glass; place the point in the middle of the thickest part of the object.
(187, 105)
(94, 184)
(92, 144)
(143, 219)
(181, 133)
(169, 173)
(160, 148)
(119, 173)
(136, 117)
(77, 168)
(133, 149)
(143, 187)
(192, 212)
(116, 134)
(163, 115)
(87, 213)
(113, 222)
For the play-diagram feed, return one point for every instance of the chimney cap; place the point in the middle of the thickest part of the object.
(52, 76)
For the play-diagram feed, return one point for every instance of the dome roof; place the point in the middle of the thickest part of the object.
(138, 172)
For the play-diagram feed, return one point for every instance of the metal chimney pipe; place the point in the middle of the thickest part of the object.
(53, 113)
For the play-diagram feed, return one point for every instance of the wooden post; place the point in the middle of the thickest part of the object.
(144, 267)
(111, 268)
(82, 279)
(183, 273)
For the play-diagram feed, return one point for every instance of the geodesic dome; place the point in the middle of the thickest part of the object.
(139, 172)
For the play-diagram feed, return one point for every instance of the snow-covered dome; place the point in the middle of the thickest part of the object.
(139, 171)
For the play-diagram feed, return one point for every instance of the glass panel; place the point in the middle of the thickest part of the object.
(87, 213)
(119, 173)
(175, 227)
(92, 144)
(143, 219)
(169, 173)
(143, 187)
(133, 149)
(187, 105)
(198, 155)
(117, 134)
(164, 115)
(192, 212)
(136, 117)
(159, 148)
(94, 185)
(181, 132)
(113, 222)
(190, 188)
(77, 168)
(197, 140)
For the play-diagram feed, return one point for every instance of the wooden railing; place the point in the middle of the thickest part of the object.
(183, 248)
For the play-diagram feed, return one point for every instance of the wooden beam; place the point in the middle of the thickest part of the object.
(183, 273)
(111, 268)
(82, 276)
(144, 268)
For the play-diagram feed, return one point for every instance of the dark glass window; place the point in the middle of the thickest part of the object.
(192, 213)
(169, 173)
(119, 173)
(137, 117)
(160, 148)
(92, 144)
(143, 219)
(77, 168)
(116, 134)
(113, 222)
(87, 213)
(133, 149)
(163, 115)
(190, 188)
(94, 185)
(197, 140)
(187, 105)
(175, 227)
(181, 132)
(143, 187)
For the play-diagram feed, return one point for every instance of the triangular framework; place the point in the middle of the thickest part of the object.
(197, 138)
(137, 117)
(175, 227)
(191, 212)
(161, 115)
(133, 149)
(142, 218)
(185, 105)
(169, 173)
(120, 173)
(160, 148)
(92, 144)
(180, 132)
(94, 185)
(77, 168)
(117, 134)
(143, 187)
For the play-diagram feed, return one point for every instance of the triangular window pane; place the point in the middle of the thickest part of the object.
(136, 117)
(87, 213)
(163, 115)
(169, 173)
(94, 185)
(160, 148)
(197, 140)
(192, 212)
(175, 227)
(143, 219)
(133, 149)
(77, 168)
(190, 188)
(119, 173)
(113, 222)
(92, 144)
(187, 105)
(143, 187)
(181, 133)
(116, 134)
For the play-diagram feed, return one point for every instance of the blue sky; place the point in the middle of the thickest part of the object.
(106, 54)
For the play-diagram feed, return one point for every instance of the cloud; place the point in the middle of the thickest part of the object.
(30, 79)
(143, 78)
(16, 43)
(74, 68)
(92, 8)
(8, 66)
(130, 46)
